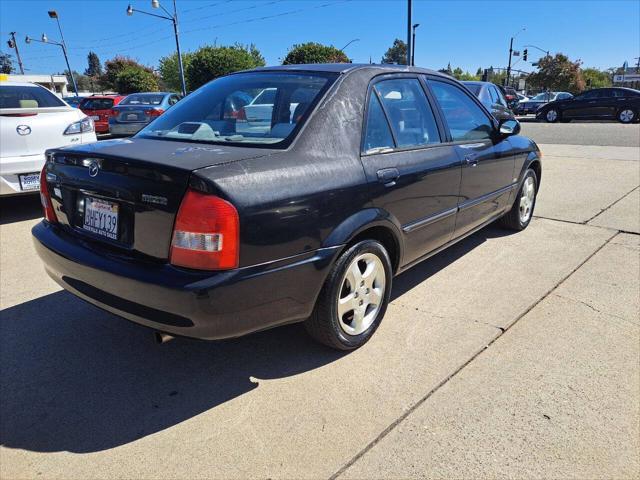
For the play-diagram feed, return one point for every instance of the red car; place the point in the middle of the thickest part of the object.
(98, 107)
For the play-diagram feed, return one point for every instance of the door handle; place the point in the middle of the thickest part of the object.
(471, 159)
(388, 176)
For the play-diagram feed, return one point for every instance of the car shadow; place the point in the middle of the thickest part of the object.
(19, 208)
(75, 378)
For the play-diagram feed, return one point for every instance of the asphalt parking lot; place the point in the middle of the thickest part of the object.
(508, 355)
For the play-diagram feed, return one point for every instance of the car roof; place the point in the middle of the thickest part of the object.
(344, 68)
(476, 82)
(151, 93)
(20, 84)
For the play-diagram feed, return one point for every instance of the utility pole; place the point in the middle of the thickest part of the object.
(409, 48)
(14, 45)
(506, 80)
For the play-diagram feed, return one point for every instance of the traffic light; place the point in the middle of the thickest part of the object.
(524, 54)
(10, 43)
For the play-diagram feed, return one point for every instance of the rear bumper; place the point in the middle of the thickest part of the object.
(101, 126)
(207, 305)
(132, 128)
(11, 167)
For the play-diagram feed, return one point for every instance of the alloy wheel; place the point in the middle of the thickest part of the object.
(361, 294)
(626, 116)
(527, 197)
(552, 115)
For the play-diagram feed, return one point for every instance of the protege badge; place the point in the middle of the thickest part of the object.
(154, 199)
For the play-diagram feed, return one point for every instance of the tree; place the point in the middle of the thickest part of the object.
(312, 52)
(82, 81)
(479, 72)
(210, 62)
(6, 64)
(134, 79)
(595, 78)
(113, 67)
(558, 73)
(170, 71)
(94, 68)
(397, 53)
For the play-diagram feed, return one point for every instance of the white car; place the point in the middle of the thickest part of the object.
(32, 119)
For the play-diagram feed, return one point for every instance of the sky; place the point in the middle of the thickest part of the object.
(469, 34)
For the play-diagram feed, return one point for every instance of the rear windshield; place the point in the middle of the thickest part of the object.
(15, 96)
(97, 104)
(258, 108)
(138, 99)
(475, 88)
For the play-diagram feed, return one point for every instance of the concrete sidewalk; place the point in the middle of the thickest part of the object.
(480, 345)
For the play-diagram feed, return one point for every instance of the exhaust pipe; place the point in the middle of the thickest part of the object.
(161, 337)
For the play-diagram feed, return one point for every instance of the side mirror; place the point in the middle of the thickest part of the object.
(509, 127)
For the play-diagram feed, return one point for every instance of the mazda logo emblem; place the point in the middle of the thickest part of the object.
(23, 130)
(94, 168)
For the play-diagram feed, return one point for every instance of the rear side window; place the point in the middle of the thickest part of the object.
(15, 96)
(377, 133)
(408, 111)
(97, 104)
(499, 97)
(465, 118)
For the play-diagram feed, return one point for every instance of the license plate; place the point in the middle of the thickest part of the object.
(95, 117)
(101, 217)
(132, 116)
(29, 181)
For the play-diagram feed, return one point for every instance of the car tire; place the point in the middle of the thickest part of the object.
(521, 213)
(627, 115)
(552, 115)
(368, 292)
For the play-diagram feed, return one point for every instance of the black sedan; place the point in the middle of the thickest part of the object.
(622, 104)
(210, 226)
(492, 98)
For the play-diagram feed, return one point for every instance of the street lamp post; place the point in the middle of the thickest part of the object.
(174, 19)
(349, 43)
(409, 13)
(506, 81)
(28, 40)
(413, 48)
(54, 14)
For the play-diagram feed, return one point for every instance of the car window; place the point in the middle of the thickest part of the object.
(563, 96)
(408, 110)
(173, 100)
(266, 97)
(142, 99)
(492, 94)
(499, 97)
(377, 133)
(224, 111)
(17, 96)
(474, 88)
(591, 94)
(96, 103)
(465, 118)
(617, 93)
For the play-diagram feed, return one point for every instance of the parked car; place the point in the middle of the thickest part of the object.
(616, 103)
(492, 98)
(73, 101)
(532, 105)
(99, 109)
(260, 109)
(510, 95)
(522, 97)
(135, 111)
(32, 119)
(194, 229)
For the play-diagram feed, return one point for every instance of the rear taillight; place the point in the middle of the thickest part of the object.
(155, 112)
(206, 233)
(45, 197)
(241, 114)
(114, 113)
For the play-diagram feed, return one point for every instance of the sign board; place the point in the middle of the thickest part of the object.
(521, 84)
(630, 77)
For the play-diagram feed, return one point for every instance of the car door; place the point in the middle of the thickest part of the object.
(487, 161)
(582, 106)
(412, 173)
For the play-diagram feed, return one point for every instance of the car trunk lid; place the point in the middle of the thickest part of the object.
(125, 194)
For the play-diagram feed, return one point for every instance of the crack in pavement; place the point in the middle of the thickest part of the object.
(621, 198)
(613, 315)
(444, 381)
